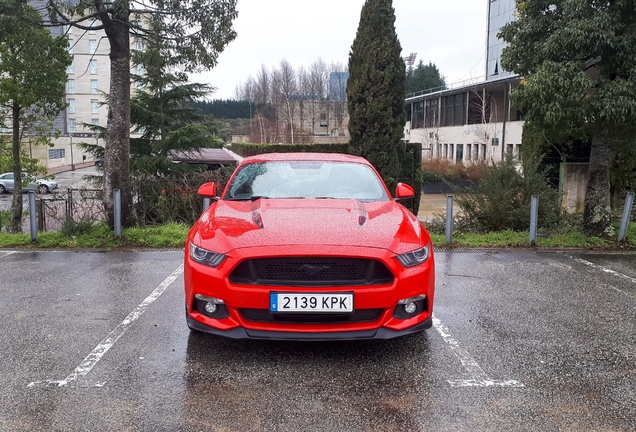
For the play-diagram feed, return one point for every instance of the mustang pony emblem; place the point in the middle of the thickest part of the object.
(312, 270)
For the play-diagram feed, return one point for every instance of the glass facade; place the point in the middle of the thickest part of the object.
(500, 13)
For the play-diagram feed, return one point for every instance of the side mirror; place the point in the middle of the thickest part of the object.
(208, 190)
(403, 191)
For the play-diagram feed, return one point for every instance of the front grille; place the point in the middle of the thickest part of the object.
(311, 271)
(357, 316)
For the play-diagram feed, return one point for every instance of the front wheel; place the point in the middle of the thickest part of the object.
(2, 189)
(43, 189)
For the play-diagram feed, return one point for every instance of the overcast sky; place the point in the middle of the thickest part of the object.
(450, 33)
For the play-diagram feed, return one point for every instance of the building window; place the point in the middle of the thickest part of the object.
(476, 151)
(469, 155)
(93, 67)
(451, 152)
(460, 153)
(72, 126)
(323, 120)
(92, 46)
(483, 151)
(92, 32)
(495, 141)
(448, 108)
(94, 87)
(57, 153)
(446, 151)
(70, 86)
(95, 121)
(140, 69)
(71, 106)
(430, 108)
(71, 68)
(518, 152)
(69, 30)
(94, 106)
(70, 46)
(139, 45)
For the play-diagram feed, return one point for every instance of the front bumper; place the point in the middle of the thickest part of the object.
(215, 283)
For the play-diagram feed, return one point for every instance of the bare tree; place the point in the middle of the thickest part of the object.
(238, 93)
(482, 118)
(248, 95)
(263, 84)
(276, 99)
(338, 91)
(287, 89)
(303, 95)
(317, 84)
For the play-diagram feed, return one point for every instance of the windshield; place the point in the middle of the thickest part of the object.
(306, 179)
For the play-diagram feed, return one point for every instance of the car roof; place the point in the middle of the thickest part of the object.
(326, 157)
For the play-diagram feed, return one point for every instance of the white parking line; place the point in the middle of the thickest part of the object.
(6, 254)
(477, 374)
(96, 355)
(604, 269)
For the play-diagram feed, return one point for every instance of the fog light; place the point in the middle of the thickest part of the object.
(410, 307)
(210, 307)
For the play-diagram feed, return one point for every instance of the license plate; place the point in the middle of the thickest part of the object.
(290, 302)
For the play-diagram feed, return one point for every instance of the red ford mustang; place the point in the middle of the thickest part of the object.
(308, 246)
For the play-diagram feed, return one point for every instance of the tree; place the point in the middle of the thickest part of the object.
(318, 79)
(165, 112)
(424, 77)
(579, 64)
(287, 88)
(338, 91)
(194, 33)
(376, 90)
(32, 83)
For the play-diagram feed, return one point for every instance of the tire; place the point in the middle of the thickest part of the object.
(2, 189)
(43, 189)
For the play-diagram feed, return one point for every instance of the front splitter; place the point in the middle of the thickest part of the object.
(243, 333)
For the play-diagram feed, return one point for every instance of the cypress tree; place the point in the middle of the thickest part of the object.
(376, 90)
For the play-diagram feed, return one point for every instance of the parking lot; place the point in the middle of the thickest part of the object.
(521, 341)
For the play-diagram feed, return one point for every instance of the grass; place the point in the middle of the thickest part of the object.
(567, 238)
(101, 237)
(173, 236)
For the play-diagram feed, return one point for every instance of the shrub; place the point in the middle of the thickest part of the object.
(248, 149)
(502, 199)
(5, 219)
(72, 228)
(174, 198)
(435, 170)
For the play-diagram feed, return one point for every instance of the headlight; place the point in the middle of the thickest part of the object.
(416, 257)
(206, 257)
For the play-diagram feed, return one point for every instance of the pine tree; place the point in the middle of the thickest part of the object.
(376, 90)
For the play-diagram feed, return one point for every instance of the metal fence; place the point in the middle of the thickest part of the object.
(77, 204)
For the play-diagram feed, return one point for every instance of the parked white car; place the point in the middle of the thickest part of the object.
(35, 184)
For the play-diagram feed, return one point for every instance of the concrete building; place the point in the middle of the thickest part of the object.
(472, 120)
(88, 83)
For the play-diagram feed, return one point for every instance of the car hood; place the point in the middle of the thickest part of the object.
(229, 225)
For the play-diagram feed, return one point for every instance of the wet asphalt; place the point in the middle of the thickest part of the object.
(522, 341)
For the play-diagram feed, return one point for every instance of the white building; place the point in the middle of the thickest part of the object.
(87, 84)
(472, 120)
